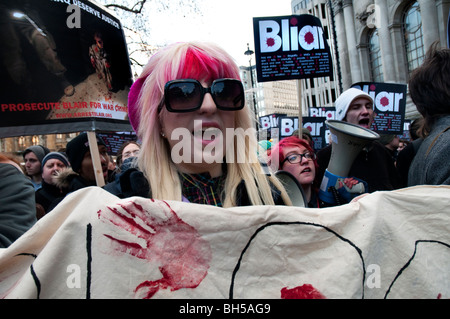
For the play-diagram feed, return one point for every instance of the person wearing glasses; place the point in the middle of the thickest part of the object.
(197, 138)
(296, 156)
(128, 150)
(126, 159)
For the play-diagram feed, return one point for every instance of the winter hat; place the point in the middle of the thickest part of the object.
(265, 145)
(76, 149)
(133, 96)
(343, 101)
(39, 150)
(55, 155)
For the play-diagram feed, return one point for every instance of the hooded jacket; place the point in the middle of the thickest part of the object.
(373, 165)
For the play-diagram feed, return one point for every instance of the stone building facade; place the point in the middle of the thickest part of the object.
(374, 40)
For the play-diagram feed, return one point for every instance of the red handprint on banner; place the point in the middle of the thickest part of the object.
(159, 236)
(305, 291)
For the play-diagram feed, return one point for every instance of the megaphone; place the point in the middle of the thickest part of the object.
(293, 188)
(347, 140)
(290, 183)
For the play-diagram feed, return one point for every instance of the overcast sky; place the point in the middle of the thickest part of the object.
(226, 22)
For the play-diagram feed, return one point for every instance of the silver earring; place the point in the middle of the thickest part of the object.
(162, 134)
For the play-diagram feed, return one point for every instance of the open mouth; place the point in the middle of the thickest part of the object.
(364, 122)
(306, 170)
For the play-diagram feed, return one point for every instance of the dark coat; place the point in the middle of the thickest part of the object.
(48, 195)
(373, 165)
(69, 181)
(18, 208)
(430, 165)
(132, 182)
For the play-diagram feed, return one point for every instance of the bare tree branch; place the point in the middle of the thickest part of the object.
(137, 8)
(135, 17)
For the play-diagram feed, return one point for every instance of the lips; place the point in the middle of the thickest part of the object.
(306, 170)
(207, 131)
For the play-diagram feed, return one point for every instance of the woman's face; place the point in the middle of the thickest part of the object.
(304, 171)
(197, 139)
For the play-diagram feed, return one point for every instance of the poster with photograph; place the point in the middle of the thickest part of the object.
(64, 66)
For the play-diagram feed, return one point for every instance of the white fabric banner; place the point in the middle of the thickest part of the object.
(93, 245)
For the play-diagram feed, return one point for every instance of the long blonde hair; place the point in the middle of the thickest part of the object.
(191, 60)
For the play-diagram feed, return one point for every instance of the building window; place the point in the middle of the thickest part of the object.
(412, 29)
(376, 67)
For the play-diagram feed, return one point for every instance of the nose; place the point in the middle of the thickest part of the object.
(103, 158)
(366, 110)
(208, 105)
(304, 160)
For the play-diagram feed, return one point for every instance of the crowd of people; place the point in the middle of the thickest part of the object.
(192, 93)
(31, 191)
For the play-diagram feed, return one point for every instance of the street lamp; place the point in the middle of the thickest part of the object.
(250, 53)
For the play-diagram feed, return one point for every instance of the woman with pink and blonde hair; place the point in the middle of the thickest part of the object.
(198, 142)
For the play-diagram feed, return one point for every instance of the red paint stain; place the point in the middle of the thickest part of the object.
(165, 239)
(270, 42)
(384, 101)
(309, 37)
(306, 291)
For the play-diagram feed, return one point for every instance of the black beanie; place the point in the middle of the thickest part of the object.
(55, 155)
(76, 149)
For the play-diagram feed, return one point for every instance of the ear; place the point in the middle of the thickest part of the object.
(162, 130)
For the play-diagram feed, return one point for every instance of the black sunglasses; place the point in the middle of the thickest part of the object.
(187, 95)
(297, 158)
